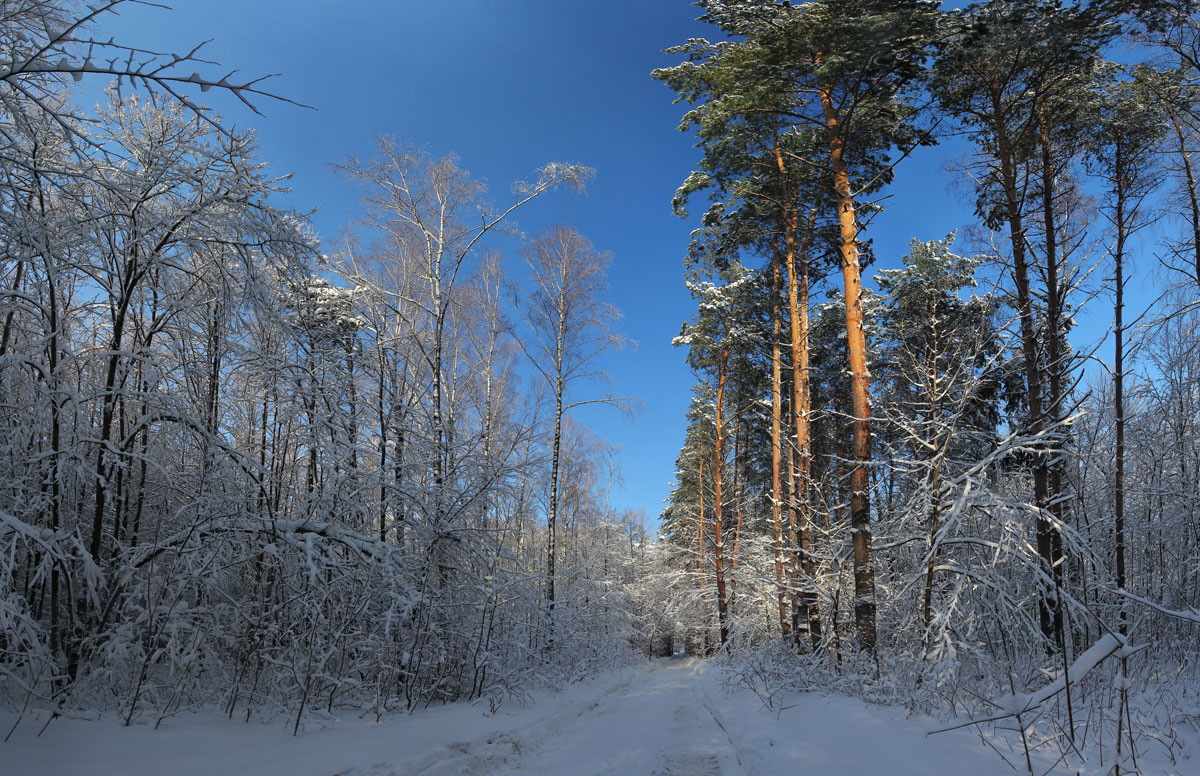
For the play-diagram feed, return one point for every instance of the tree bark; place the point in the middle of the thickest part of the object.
(1033, 375)
(860, 481)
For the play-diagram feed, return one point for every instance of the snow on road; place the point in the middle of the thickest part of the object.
(669, 718)
(655, 723)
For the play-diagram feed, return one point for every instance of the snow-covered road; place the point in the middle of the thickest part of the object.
(673, 718)
(656, 721)
(667, 718)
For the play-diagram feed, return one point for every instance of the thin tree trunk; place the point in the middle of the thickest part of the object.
(794, 572)
(804, 448)
(777, 448)
(1119, 405)
(804, 604)
(1119, 376)
(8, 319)
(108, 404)
(54, 476)
(381, 408)
(718, 467)
(1054, 307)
(552, 518)
(739, 510)
(1193, 200)
(1033, 377)
(700, 550)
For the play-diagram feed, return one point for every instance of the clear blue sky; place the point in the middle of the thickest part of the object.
(509, 86)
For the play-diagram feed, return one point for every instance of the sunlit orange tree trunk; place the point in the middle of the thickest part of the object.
(714, 344)
(851, 62)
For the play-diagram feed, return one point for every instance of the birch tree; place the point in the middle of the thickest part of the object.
(569, 328)
(434, 215)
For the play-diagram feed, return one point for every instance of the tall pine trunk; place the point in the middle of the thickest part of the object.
(1029, 350)
(856, 341)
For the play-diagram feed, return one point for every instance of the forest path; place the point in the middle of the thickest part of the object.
(656, 722)
(664, 718)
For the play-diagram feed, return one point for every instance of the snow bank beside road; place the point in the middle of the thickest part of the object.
(207, 744)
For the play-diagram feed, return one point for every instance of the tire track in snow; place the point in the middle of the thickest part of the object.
(687, 762)
(657, 722)
(493, 750)
(655, 727)
(747, 758)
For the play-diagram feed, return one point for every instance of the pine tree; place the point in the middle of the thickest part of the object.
(1012, 72)
(716, 339)
(836, 71)
(941, 353)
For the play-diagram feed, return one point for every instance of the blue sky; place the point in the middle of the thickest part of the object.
(509, 86)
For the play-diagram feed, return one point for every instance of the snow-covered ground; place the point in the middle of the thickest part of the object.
(669, 718)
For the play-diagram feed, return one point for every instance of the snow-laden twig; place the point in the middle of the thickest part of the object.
(1017, 704)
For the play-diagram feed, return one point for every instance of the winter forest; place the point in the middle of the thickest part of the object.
(947, 502)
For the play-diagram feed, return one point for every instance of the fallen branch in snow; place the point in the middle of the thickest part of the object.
(1021, 703)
